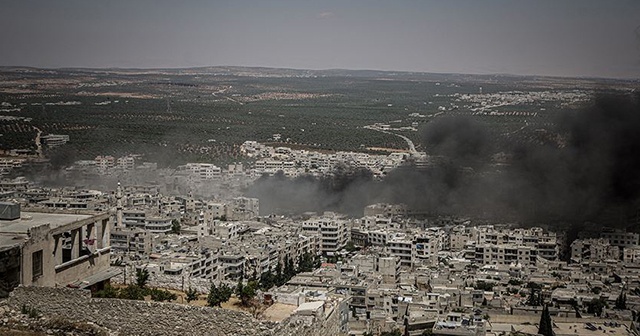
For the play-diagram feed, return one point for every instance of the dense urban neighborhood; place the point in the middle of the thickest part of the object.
(389, 271)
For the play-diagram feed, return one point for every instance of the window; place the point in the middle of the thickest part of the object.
(36, 263)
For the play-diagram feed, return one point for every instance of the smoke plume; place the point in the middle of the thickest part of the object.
(586, 167)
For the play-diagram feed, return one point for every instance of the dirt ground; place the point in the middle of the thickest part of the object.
(232, 304)
(278, 312)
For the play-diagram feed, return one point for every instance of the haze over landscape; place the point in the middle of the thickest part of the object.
(320, 168)
(547, 37)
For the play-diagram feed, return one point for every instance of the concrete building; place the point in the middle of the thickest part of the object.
(154, 223)
(389, 268)
(334, 232)
(505, 254)
(222, 230)
(54, 249)
(593, 250)
(243, 208)
(631, 255)
(202, 171)
(54, 140)
(621, 238)
(131, 240)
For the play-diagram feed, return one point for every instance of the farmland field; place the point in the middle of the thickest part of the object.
(204, 114)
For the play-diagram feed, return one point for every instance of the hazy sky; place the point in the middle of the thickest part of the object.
(551, 37)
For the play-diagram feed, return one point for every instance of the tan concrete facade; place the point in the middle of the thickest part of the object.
(60, 249)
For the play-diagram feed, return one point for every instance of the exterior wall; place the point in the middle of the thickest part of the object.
(82, 268)
(334, 233)
(389, 268)
(9, 269)
(50, 242)
(622, 239)
(632, 255)
(40, 240)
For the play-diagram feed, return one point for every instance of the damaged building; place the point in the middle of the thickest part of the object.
(54, 249)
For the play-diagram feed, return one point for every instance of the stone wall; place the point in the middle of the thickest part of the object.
(128, 317)
(9, 270)
(166, 281)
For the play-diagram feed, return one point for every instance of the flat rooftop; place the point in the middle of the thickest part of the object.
(30, 220)
(13, 232)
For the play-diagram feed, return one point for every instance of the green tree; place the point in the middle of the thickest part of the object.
(266, 280)
(142, 277)
(239, 286)
(596, 306)
(107, 292)
(289, 269)
(254, 275)
(621, 301)
(191, 295)
(515, 282)
(279, 281)
(175, 226)
(427, 332)
(248, 292)
(351, 247)
(132, 292)
(218, 295)
(485, 286)
(394, 332)
(535, 298)
(161, 295)
(534, 286)
(546, 326)
(305, 263)
(299, 264)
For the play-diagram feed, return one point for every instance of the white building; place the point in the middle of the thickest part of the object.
(334, 232)
(202, 171)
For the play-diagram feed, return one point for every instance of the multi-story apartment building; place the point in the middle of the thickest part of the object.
(219, 229)
(505, 254)
(7, 165)
(621, 238)
(631, 255)
(202, 171)
(595, 250)
(243, 208)
(131, 240)
(152, 223)
(233, 265)
(205, 266)
(541, 243)
(402, 247)
(334, 232)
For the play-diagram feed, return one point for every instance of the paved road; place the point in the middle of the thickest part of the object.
(412, 147)
(38, 142)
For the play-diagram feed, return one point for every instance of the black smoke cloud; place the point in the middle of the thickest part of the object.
(585, 167)
(347, 191)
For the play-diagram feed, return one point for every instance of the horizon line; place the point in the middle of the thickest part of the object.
(503, 74)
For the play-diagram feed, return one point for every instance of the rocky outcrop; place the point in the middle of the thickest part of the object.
(128, 317)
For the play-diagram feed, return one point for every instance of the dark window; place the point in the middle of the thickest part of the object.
(36, 262)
